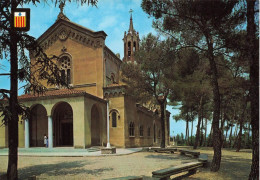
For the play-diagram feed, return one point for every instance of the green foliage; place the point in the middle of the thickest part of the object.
(152, 74)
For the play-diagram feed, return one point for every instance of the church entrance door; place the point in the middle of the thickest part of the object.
(67, 134)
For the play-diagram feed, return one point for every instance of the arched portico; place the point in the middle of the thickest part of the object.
(95, 125)
(38, 125)
(62, 115)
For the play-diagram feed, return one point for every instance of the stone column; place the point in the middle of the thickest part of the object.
(26, 134)
(50, 132)
(108, 143)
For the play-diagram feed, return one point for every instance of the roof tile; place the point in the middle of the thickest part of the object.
(59, 92)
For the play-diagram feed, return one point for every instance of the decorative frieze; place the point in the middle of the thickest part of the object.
(63, 33)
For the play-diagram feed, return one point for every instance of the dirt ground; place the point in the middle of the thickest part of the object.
(234, 165)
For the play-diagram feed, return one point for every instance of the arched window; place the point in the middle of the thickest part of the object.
(113, 78)
(134, 48)
(141, 130)
(129, 49)
(113, 119)
(131, 129)
(149, 132)
(65, 68)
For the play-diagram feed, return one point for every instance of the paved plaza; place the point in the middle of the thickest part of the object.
(89, 164)
(67, 151)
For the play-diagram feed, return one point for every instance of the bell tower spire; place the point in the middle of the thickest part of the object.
(131, 41)
(131, 26)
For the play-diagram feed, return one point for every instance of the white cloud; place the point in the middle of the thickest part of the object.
(108, 21)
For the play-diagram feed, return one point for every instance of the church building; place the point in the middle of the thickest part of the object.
(77, 117)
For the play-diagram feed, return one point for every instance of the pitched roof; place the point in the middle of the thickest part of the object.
(73, 25)
(59, 92)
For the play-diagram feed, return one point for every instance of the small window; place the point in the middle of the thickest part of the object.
(129, 45)
(134, 48)
(113, 119)
(63, 75)
(159, 134)
(131, 129)
(113, 78)
(129, 49)
(141, 131)
(68, 76)
(65, 69)
(149, 132)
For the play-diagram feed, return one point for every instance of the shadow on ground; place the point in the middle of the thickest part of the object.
(231, 168)
(162, 156)
(64, 168)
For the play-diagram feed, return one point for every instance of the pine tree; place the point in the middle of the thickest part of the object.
(198, 24)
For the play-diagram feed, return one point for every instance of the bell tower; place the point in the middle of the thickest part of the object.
(131, 41)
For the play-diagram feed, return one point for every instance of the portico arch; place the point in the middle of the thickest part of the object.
(95, 125)
(38, 125)
(62, 115)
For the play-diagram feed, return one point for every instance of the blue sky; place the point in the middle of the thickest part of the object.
(111, 16)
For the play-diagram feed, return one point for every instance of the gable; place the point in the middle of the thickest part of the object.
(63, 29)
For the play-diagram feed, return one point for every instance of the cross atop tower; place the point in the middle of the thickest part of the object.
(61, 14)
(61, 6)
(131, 11)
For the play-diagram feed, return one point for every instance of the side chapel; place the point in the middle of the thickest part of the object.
(77, 117)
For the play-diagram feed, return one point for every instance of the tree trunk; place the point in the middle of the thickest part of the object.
(253, 55)
(198, 126)
(13, 104)
(248, 137)
(241, 123)
(187, 130)
(210, 137)
(230, 137)
(235, 132)
(201, 131)
(222, 127)
(186, 137)
(227, 129)
(205, 137)
(162, 106)
(235, 136)
(215, 165)
(191, 132)
(188, 140)
(239, 138)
